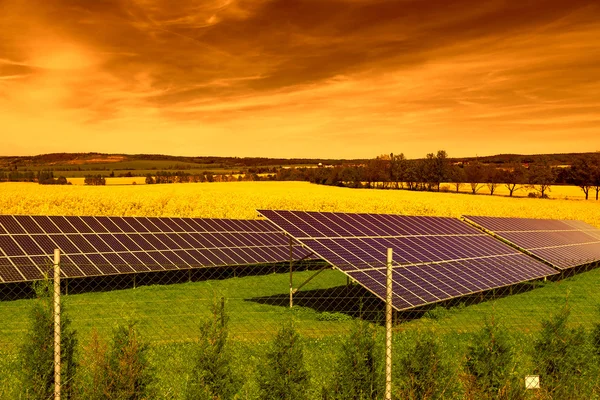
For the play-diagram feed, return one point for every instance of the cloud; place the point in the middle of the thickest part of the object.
(301, 78)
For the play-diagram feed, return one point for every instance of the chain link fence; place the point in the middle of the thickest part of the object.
(481, 345)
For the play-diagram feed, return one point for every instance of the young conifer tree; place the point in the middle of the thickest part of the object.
(284, 375)
(564, 358)
(491, 364)
(37, 351)
(211, 376)
(358, 373)
(425, 372)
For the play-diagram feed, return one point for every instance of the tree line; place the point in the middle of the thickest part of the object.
(436, 172)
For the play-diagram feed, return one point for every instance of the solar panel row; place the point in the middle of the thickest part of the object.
(563, 244)
(93, 246)
(435, 258)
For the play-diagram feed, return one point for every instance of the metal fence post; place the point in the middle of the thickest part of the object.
(56, 324)
(388, 329)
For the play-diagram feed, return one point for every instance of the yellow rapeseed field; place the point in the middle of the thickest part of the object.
(241, 199)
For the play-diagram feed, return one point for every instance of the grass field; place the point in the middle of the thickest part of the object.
(168, 316)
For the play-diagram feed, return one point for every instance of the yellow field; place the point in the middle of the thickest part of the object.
(241, 199)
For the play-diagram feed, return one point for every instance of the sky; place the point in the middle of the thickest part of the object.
(299, 78)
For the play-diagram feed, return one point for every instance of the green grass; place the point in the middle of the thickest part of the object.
(168, 316)
(170, 313)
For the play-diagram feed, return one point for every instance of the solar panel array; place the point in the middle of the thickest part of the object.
(434, 258)
(96, 246)
(564, 244)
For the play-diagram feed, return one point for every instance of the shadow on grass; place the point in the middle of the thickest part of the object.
(357, 302)
(24, 290)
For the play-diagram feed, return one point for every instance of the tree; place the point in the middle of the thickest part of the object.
(424, 371)
(581, 174)
(94, 180)
(516, 175)
(398, 169)
(596, 174)
(127, 368)
(562, 356)
(211, 376)
(358, 371)
(491, 364)
(475, 174)
(441, 168)
(413, 172)
(284, 375)
(37, 352)
(541, 176)
(428, 171)
(457, 176)
(492, 176)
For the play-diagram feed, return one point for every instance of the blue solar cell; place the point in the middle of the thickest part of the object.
(82, 244)
(135, 224)
(93, 224)
(28, 224)
(10, 224)
(29, 245)
(8, 273)
(121, 224)
(127, 242)
(161, 225)
(9, 247)
(201, 258)
(148, 224)
(168, 241)
(110, 224)
(27, 268)
(112, 242)
(124, 263)
(77, 223)
(46, 224)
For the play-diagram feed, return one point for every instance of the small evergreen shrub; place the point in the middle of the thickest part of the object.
(283, 375)
(491, 364)
(425, 372)
(119, 370)
(211, 376)
(564, 357)
(358, 373)
(37, 352)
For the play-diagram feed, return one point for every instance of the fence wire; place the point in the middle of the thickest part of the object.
(480, 345)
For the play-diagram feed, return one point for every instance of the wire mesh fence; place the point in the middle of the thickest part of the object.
(480, 345)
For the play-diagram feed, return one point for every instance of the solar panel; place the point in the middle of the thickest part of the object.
(434, 258)
(561, 243)
(95, 246)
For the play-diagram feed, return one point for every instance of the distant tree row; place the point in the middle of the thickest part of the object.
(185, 177)
(396, 172)
(17, 176)
(94, 180)
(42, 177)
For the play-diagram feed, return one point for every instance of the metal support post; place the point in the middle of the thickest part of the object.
(56, 324)
(291, 273)
(388, 329)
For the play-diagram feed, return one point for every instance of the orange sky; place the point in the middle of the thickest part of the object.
(299, 78)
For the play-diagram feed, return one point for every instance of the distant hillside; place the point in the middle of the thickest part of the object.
(55, 159)
(80, 164)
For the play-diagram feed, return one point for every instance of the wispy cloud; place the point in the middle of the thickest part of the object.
(300, 78)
